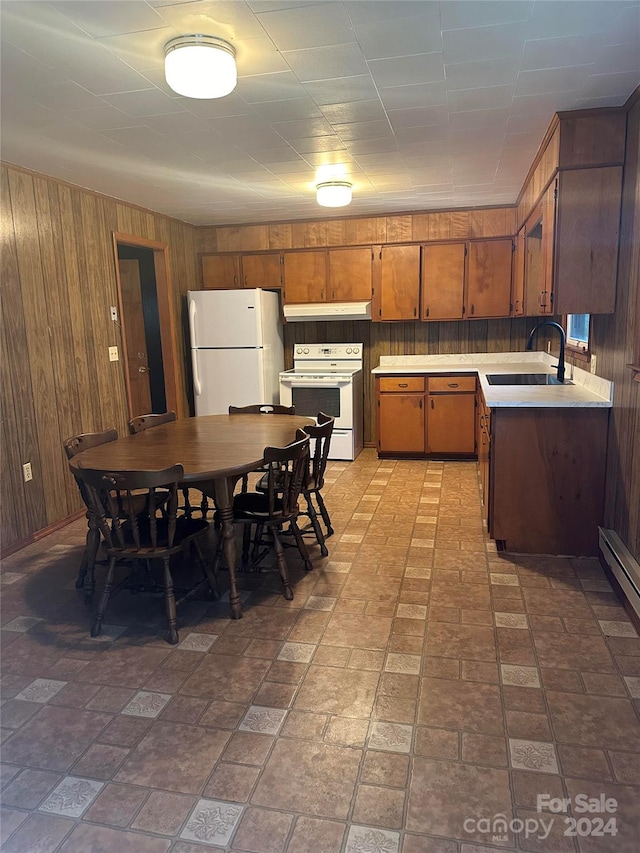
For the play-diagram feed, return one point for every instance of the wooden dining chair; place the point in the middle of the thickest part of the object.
(72, 446)
(144, 422)
(277, 505)
(153, 534)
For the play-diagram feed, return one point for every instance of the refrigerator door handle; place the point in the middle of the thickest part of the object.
(197, 387)
(192, 322)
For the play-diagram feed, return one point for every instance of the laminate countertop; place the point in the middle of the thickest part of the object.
(588, 390)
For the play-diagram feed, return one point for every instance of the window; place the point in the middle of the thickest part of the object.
(578, 328)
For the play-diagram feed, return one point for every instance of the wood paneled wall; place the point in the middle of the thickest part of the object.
(58, 283)
(411, 338)
(615, 342)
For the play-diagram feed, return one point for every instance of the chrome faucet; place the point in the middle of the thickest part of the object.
(563, 339)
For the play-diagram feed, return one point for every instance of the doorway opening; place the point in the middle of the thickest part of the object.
(147, 324)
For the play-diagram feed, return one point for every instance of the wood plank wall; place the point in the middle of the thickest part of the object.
(616, 338)
(58, 283)
(413, 338)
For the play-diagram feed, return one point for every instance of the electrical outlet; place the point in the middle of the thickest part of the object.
(592, 363)
(114, 313)
(113, 354)
(27, 473)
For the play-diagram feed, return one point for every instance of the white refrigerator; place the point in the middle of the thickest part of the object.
(236, 348)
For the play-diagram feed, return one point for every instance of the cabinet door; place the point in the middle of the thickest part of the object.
(349, 275)
(517, 293)
(220, 272)
(549, 206)
(401, 423)
(305, 276)
(534, 265)
(399, 283)
(443, 281)
(263, 270)
(489, 279)
(451, 424)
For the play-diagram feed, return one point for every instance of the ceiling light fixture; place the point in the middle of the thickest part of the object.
(334, 193)
(200, 66)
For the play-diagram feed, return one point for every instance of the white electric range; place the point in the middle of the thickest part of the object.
(328, 378)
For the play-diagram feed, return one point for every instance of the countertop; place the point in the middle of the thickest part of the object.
(587, 391)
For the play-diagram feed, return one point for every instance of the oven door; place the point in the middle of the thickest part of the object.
(310, 395)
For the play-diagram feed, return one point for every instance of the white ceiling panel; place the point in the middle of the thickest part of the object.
(420, 104)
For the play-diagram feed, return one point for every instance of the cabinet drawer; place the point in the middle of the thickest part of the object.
(451, 384)
(402, 383)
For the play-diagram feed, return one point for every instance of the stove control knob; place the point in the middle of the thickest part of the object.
(298, 350)
(306, 350)
(349, 350)
(356, 350)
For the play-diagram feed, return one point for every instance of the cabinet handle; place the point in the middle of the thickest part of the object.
(245, 281)
(415, 312)
(403, 384)
(473, 308)
(453, 385)
(481, 421)
(420, 402)
(433, 405)
(426, 313)
(235, 280)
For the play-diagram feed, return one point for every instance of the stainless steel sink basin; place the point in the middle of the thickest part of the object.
(525, 379)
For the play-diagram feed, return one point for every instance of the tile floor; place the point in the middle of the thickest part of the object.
(417, 696)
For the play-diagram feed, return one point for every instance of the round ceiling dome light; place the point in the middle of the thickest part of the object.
(200, 66)
(334, 193)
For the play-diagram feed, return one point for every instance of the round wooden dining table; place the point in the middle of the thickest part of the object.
(215, 451)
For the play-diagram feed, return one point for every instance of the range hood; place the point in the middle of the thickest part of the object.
(327, 311)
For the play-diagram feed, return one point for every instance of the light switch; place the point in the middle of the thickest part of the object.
(113, 354)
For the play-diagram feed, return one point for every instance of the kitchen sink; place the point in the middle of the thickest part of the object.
(525, 379)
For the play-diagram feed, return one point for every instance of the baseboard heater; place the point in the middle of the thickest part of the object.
(623, 564)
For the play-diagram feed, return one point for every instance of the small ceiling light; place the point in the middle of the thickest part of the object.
(199, 66)
(334, 193)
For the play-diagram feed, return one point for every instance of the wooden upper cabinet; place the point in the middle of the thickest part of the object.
(305, 276)
(220, 272)
(489, 278)
(262, 270)
(350, 274)
(517, 292)
(443, 273)
(586, 241)
(398, 296)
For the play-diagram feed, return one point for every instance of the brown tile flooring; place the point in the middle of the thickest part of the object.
(419, 685)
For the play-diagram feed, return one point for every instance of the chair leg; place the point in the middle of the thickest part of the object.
(86, 575)
(246, 544)
(208, 572)
(324, 513)
(256, 542)
(313, 518)
(308, 565)
(170, 602)
(96, 628)
(282, 565)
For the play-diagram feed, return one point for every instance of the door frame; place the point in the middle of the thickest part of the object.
(164, 293)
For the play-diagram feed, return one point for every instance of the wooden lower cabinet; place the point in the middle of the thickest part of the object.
(546, 479)
(401, 423)
(426, 415)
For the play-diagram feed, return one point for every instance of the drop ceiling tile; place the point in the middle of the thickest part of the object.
(101, 72)
(608, 85)
(618, 58)
(317, 144)
(303, 127)
(256, 143)
(328, 158)
(177, 124)
(295, 109)
(324, 63)
(281, 86)
(551, 80)
(530, 123)
(146, 102)
(565, 19)
(356, 111)
(489, 97)
(269, 156)
(67, 96)
(477, 44)
(342, 90)
(384, 145)
(258, 56)
(402, 37)
(211, 111)
(545, 104)
(97, 18)
(389, 10)
(419, 117)
(25, 69)
(104, 117)
(308, 26)
(460, 15)
(223, 18)
(407, 70)
(241, 126)
(421, 134)
(142, 51)
(364, 130)
(415, 96)
(490, 72)
(558, 52)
